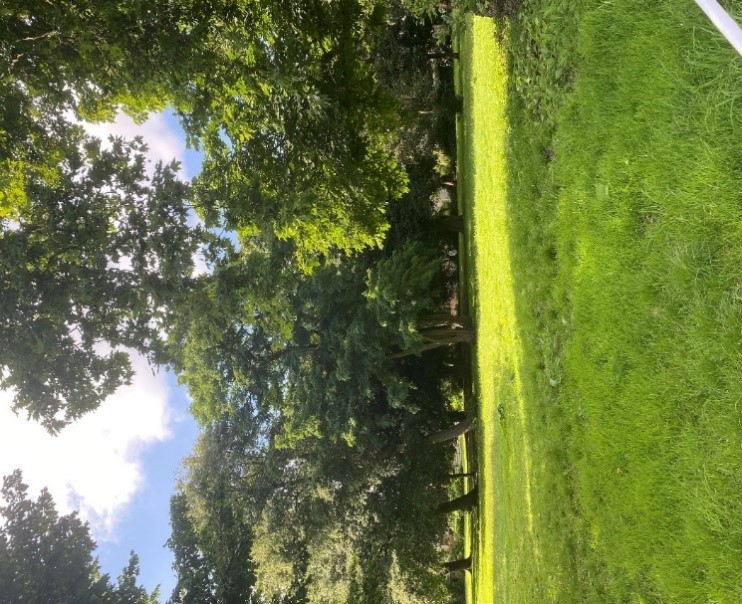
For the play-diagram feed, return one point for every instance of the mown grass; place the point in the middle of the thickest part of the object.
(602, 174)
(482, 185)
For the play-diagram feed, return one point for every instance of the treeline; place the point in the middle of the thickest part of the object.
(328, 136)
(312, 480)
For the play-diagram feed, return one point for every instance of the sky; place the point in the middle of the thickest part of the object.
(118, 465)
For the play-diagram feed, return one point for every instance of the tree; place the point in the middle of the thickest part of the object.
(195, 578)
(94, 253)
(232, 343)
(460, 564)
(45, 557)
(453, 432)
(463, 503)
(297, 132)
(282, 97)
(96, 264)
(82, 61)
(212, 530)
(218, 503)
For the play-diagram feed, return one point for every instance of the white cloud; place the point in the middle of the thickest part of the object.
(164, 141)
(95, 464)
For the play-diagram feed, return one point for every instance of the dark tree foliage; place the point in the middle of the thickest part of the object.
(283, 98)
(96, 263)
(45, 557)
(321, 123)
(311, 347)
(320, 434)
(195, 577)
(95, 254)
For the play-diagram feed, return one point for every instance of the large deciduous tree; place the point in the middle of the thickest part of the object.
(94, 252)
(283, 98)
(96, 263)
(296, 129)
(311, 347)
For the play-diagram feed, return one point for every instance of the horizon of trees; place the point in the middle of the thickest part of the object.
(327, 133)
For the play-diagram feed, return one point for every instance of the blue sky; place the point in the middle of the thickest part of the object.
(117, 466)
(144, 526)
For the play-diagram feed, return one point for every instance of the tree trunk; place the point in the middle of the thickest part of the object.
(459, 475)
(435, 338)
(460, 504)
(444, 54)
(415, 351)
(449, 224)
(462, 564)
(443, 319)
(452, 432)
(447, 336)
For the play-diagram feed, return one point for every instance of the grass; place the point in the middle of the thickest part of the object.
(601, 173)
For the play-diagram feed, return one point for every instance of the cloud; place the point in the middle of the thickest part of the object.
(94, 465)
(165, 141)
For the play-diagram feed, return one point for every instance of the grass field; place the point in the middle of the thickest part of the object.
(601, 172)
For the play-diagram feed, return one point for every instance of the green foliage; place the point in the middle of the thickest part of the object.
(284, 101)
(296, 131)
(83, 61)
(102, 254)
(280, 552)
(308, 425)
(95, 254)
(45, 557)
(398, 292)
(297, 343)
(212, 524)
(190, 562)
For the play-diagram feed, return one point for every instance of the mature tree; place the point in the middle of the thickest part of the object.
(311, 347)
(231, 343)
(79, 60)
(296, 129)
(95, 263)
(94, 254)
(195, 578)
(463, 503)
(218, 502)
(284, 99)
(45, 557)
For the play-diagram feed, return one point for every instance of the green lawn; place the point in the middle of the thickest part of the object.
(601, 172)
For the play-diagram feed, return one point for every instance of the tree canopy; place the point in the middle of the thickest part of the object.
(92, 267)
(298, 137)
(301, 346)
(45, 557)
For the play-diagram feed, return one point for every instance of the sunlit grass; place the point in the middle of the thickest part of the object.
(648, 232)
(601, 173)
(518, 547)
(482, 141)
